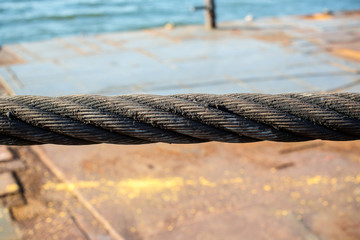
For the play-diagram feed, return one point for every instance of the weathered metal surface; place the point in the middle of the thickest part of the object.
(7, 57)
(300, 53)
(8, 184)
(207, 191)
(8, 231)
(212, 191)
(5, 154)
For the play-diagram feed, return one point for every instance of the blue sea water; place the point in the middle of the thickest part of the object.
(28, 20)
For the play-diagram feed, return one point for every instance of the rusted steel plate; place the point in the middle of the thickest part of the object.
(163, 191)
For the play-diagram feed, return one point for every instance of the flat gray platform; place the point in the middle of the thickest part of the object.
(289, 54)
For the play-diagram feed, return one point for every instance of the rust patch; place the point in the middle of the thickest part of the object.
(72, 47)
(118, 44)
(147, 53)
(343, 67)
(163, 35)
(5, 88)
(32, 209)
(92, 45)
(347, 53)
(7, 57)
(354, 13)
(345, 87)
(275, 37)
(319, 16)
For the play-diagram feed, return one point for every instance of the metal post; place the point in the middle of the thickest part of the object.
(210, 16)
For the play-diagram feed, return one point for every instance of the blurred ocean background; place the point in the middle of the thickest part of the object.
(29, 20)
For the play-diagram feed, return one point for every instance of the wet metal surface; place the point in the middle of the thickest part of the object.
(207, 191)
(301, 53)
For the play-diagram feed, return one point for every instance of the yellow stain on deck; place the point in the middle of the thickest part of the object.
(70, 186)
(314, 180)
(144, 184)
(169, 187)
(12, 188)
(204, 182)
(156, 184)
(132, 188)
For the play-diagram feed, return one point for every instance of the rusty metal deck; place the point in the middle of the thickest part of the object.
(205, 191)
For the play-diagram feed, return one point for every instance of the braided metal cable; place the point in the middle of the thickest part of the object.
(183, 118)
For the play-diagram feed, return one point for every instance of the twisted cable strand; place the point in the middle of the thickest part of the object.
(205, 119)
(304, 119)
(154, 118)
(53, 115)
(110, 116)
(241, 123)
(352, 96)
(336, 103)
(182, 118)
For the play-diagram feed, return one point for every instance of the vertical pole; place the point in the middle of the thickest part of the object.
(210, 17)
